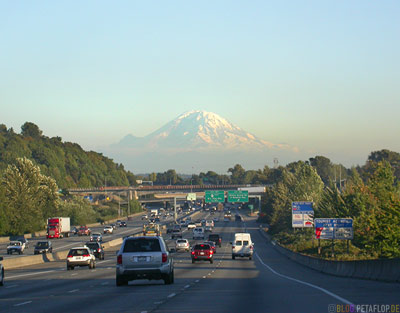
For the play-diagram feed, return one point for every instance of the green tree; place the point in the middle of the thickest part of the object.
(300, 182)
(30, 196)
(31, 130)
(237, 174)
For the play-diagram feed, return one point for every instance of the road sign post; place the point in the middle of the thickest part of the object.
(334, 228)
(238, 196)
(302, 214)
(214, 196)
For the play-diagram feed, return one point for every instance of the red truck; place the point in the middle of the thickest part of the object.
(58, 227)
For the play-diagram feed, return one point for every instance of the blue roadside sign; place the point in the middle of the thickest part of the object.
(334, 228)
(302, 214)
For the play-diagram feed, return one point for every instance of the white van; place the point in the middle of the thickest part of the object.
(242, 246)
(198, 233)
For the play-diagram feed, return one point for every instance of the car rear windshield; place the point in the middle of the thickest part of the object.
(92, 245)
(181, 241)
(77, 252)
(42, 244)
(142, 245)
(202, 247)
(238, 242)
(245, 243)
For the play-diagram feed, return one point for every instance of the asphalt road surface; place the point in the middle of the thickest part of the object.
(268, 283)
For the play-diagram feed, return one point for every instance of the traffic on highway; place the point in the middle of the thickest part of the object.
(208, 261)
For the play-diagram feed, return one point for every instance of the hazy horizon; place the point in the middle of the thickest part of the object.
(316, 75)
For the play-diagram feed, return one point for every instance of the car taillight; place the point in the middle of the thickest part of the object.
(233, 247)
(98, 250)
(119, 259)
(69, 256)
(251, 247)
(164, 257)
(211, 252)
(86, 255)
(192, 252)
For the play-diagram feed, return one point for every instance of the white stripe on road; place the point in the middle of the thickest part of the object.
(23, 303)
(172, 295)
(74, 290)
(11, 286)
(305, 283)
(37, 273)
(106, 261)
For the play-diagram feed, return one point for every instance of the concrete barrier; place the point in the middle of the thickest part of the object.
(382, 270)
(61, 255)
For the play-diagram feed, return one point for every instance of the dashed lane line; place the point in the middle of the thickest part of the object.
(30, 274)
(22, 303)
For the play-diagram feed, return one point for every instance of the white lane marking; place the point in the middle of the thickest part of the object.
(73, 290)
(31, 274)
(105, 261)
(171, 295)
(11, 286)
(23, 303)
(187, 286)
(74, 274)
(105, 283)
(305, 283)
(196, 281)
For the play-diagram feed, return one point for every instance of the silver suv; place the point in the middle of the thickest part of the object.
(144, 258)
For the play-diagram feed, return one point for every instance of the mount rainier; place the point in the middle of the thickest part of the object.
(196, 141)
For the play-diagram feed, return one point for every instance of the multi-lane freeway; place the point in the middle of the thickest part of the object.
(268, 283)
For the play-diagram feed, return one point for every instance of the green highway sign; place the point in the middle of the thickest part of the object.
(214, 196)
(238, 196)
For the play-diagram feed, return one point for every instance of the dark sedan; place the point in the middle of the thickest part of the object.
(43, 247)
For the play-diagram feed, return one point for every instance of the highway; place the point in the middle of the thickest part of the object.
(268, 283)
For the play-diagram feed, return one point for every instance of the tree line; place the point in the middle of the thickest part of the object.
(34, 167)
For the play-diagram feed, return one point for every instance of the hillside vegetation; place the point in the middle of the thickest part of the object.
(65, 162)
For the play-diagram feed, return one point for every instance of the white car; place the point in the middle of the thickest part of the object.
(198, 233)
(182, 244)
(191, 225)
(80, 256)
(108, 230)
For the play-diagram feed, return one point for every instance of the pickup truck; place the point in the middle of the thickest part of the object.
(16, 246)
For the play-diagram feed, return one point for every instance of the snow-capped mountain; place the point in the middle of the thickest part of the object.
(196, 130)
(197, 141)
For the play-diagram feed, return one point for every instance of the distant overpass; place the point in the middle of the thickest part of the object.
(158, 188)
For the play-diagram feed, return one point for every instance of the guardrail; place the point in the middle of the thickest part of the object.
(382, 270)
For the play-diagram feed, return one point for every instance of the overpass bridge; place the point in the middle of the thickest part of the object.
(162, 192)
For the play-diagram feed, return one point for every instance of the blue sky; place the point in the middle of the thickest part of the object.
(320, 75)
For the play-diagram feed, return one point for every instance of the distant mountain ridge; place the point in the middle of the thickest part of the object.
(198, 130)
(197, 140)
